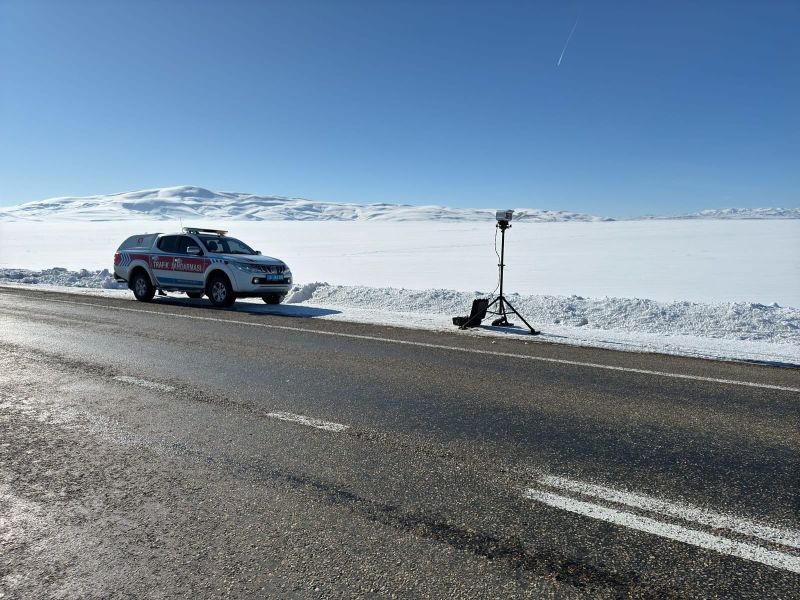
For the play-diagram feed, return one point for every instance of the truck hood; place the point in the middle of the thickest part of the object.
(248, 258)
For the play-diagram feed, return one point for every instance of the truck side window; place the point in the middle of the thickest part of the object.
(168, 243)
(184, 241)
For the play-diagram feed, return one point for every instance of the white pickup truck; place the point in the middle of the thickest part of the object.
(197, 262)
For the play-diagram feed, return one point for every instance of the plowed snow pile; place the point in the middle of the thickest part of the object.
(732, 321)
(59, 276)
(735, 330)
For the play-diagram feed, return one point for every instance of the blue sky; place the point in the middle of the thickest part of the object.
(657, 107)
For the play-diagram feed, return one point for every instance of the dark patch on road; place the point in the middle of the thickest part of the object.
(511, 550)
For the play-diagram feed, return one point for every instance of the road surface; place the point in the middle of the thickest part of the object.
(172, 450)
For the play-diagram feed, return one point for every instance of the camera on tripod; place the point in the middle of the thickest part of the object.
(504, 218)
(482, 306)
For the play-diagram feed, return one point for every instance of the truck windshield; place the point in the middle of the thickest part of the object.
(225, 245)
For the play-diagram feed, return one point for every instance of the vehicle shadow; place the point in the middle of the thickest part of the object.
(284, 310)
(277, 310)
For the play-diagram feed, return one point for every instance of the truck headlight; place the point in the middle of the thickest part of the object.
(247, 267)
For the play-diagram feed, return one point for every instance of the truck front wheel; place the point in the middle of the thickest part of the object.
(220, 291)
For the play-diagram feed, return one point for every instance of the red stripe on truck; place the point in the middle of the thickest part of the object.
(178, 263)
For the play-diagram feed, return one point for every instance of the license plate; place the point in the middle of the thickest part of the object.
(274, 277)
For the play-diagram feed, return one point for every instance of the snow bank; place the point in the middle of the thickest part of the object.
(734, 330)
(303, 293)
(59, 276)
(731, 321)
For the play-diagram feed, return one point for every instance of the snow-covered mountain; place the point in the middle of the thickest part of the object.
(187, 202)
(740, 213)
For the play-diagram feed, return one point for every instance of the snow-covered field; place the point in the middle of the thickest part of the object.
(699, 287)
(700, 261)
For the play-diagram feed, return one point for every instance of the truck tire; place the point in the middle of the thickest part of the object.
(273, 298)
(220, 292)
(143, 290)
(194, 294)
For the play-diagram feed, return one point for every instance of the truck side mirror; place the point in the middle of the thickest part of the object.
(258, 252)
(193, 250)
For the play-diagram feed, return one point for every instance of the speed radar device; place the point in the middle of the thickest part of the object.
(502, 307)
(504, 217)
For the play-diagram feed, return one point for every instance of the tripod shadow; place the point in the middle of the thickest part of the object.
(506, 330)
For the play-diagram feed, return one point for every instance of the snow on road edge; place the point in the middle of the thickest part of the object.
(736, 330)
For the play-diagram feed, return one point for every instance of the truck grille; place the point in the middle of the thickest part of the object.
(272, 268)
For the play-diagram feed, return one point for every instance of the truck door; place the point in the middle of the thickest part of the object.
(173, 267)
(188, 269)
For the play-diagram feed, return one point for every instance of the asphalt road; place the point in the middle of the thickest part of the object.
(173, 450)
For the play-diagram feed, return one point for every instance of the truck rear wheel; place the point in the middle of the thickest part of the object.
(273, 298)
(142, 288)
(220, 291)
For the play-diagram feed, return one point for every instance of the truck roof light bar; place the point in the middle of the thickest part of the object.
(203, 230)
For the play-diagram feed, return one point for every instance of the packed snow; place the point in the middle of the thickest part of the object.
(61, 277)
(724, 289)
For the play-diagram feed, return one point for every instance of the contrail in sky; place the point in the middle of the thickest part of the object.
(567, 42)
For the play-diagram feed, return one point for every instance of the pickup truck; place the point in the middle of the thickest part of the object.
(200, 262)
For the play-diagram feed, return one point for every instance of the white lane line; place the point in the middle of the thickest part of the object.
(150, 385)
(772, 558)
(357, 336)
(681, 510)
(309, 421)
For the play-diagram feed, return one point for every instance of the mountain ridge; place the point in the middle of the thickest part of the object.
(181, 202)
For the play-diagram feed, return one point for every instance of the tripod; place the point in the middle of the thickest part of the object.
(503, 305)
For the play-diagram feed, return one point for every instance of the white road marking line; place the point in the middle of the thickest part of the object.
(439, 346)
(772, 558)
(681, 510)
(311, 422)
(150, 385)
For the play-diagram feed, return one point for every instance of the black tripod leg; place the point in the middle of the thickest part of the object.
(502, 316)
(533, 331)
(471, 319)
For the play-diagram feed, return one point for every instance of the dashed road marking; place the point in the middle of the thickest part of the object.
(150, 385)
(373, 338)
(308, 421)
(678, 509)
